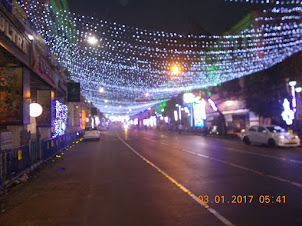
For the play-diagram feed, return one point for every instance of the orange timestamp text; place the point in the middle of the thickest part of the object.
(238, 199)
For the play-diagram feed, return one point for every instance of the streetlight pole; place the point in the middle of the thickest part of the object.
(298, 91)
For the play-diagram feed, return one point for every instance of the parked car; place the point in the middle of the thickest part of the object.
(92, 133)
(271, 135)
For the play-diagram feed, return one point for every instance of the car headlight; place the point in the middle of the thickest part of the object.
(281, 137)
(296, 137)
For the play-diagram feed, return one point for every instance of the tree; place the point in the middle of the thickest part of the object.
(265, 91)
(291, 67)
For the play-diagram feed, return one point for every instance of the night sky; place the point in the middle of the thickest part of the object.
(181, 16)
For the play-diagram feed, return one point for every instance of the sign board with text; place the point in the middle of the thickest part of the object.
(14, 40)
(73, 92)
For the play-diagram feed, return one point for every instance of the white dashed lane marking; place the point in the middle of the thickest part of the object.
(184, 189)
(241, 167)
(264, 155)
(253, 153)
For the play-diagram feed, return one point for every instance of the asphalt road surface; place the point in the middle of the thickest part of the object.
(159, 178)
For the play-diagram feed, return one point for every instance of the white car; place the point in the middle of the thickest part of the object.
(271, 135)
(92, 133)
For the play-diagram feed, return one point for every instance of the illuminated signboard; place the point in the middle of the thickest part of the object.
(10, 31)
(199, 109)
(190, 98)
(83, 119)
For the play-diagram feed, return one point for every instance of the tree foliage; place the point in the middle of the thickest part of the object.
(265, 91)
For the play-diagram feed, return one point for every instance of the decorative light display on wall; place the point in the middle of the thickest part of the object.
(61, 119)
(288, 115)
(128, 62)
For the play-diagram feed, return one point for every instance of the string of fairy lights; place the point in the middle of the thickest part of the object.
(277, 2)
(133, 66)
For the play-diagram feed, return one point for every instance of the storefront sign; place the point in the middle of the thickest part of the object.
(73, 92)
(199, 113)
(42, 67)
(9, 30)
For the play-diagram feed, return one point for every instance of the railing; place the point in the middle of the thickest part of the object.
(34, 152)
(51, 146)
(15, 161)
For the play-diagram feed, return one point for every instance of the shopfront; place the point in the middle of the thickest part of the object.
(14, 81)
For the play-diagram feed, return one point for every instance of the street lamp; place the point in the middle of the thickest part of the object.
(292, 83)
(92, 40)
(30, 37)
(175, 70)
(35, 110)
(298, 89)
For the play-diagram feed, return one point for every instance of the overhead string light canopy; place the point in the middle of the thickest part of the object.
(276, 2)
(128, 62)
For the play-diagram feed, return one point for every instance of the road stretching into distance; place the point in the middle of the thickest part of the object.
(134, 177)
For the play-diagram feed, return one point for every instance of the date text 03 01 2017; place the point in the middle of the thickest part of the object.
(238, 199)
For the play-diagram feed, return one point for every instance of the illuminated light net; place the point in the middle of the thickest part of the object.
(277, 2)
(128, 62)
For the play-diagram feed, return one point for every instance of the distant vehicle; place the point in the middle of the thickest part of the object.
(92, 133)
(103, 128)
(271, 135)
